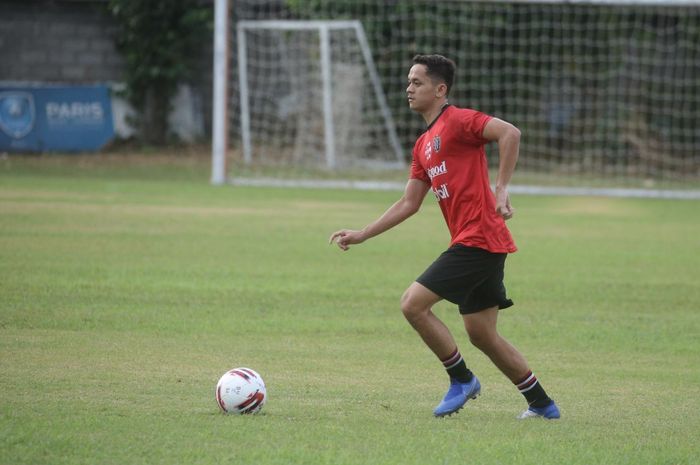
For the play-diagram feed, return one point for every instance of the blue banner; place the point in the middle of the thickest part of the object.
(55, 118)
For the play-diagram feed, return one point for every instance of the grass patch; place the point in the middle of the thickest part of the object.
(127, 288)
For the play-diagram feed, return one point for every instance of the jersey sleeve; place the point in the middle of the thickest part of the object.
(417, 171)
(473, 123)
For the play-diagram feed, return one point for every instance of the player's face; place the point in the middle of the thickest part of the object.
(421, 91)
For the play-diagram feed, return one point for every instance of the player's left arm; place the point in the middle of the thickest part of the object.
(508, 138)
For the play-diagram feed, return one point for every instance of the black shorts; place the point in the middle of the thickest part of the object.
(470, 277)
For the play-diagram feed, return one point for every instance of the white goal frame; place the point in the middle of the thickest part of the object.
(220, 94)
(323, 28)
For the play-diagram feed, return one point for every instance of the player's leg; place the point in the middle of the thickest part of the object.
(481, 327)
(483, 334)
(480, 312)
(416, 305)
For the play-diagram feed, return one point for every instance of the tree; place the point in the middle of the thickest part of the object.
(158, 39)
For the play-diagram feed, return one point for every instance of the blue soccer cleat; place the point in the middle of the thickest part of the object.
(548, 412)
(457, 396)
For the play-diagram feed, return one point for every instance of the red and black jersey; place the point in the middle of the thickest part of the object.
(450, 156)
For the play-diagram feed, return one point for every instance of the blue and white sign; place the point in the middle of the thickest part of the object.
(55, 118)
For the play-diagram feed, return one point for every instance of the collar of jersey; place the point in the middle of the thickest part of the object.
(442, 110)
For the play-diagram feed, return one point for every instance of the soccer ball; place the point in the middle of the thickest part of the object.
(241, 391)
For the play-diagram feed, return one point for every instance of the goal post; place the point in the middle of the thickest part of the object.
(605, 92)
(323, 57)
(220, 103)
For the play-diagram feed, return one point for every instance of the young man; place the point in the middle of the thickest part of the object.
(449, 158)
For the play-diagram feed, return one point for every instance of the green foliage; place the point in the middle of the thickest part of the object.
(158, 39)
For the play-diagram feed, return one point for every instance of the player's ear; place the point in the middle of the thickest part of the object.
(441, 90)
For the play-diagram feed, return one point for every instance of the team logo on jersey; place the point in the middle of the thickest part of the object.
(436, 143)
(17, 113)
(428, 151)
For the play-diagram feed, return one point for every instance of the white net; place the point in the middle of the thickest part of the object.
(308, 99)
(605, 93)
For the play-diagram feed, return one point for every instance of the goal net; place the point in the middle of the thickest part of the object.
(606, 93)
(310, 96)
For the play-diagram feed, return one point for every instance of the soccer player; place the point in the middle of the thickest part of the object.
(449, 158)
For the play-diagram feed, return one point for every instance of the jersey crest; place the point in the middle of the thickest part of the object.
(436, 143)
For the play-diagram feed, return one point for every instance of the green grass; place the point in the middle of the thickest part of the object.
(127, 289)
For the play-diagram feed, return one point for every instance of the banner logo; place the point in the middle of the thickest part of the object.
(17, 113)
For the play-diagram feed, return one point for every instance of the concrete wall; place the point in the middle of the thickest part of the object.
(72, 42)
(67, 42)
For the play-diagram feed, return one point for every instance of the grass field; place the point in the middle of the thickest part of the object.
(127, 289)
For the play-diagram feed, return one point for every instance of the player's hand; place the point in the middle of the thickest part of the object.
(345, 237)
(503, 206)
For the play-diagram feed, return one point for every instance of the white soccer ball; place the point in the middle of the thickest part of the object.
(241, 391)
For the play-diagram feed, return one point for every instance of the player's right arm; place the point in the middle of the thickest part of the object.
(406, 206)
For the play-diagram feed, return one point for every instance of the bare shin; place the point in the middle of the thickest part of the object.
(481, 328)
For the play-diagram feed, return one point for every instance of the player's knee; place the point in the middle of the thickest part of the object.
(411, 308)
(481, 338)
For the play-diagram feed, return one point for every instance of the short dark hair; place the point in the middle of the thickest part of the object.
(438, 68)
